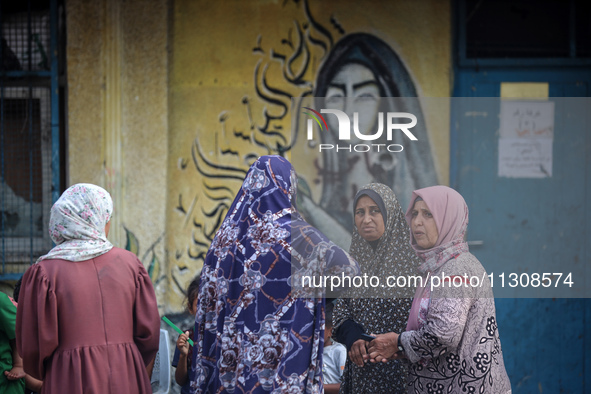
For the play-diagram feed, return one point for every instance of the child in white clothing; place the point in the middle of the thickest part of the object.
(333, 358)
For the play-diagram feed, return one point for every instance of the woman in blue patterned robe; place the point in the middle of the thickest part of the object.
(255, 330)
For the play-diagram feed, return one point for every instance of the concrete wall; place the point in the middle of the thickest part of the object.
(117, 115)
(235, 66)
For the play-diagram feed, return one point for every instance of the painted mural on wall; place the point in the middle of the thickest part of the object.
(312, 63)
(149, 259)
(362, 74)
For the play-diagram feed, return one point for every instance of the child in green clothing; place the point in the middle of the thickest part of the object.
(11, 364)
(32, 385)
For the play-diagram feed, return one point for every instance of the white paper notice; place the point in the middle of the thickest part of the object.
(526, 138)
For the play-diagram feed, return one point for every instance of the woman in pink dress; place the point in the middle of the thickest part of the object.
(87, 320)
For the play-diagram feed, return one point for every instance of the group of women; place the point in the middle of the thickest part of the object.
(256, 333)
(87, 319)
(447, 341)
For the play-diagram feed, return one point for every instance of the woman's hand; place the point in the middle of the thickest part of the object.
(358, 352)
(182, 344)
(383, 348)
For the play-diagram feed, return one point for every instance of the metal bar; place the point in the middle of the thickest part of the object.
(12, 276)
(2, 36)
(2, 177)
(55, 122)
(461, 31)
(29, 35)
(524, 62)
(30, 121)
(572, 32)
(453, 138)
(21, 74)
(2, 149)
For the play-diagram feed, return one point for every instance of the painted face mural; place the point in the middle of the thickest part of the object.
(363, 74)
(354, 89)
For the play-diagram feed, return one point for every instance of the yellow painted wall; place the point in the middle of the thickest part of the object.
(161, 93)
(220, 52)
(117, 116)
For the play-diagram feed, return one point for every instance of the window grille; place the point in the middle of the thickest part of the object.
(29, 131)
(523, 32)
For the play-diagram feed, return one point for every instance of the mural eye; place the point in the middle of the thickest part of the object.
(366, 97)
(335, 100)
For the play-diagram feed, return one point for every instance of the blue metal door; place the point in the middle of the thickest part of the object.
(530, 225)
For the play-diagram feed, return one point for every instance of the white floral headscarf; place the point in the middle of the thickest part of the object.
(77, 223)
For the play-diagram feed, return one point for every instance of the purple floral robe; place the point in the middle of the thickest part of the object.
(254, 331)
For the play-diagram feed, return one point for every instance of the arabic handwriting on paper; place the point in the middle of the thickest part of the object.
(526, 139)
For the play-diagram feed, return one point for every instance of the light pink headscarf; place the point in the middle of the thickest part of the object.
(77, 223)
(451, 217)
